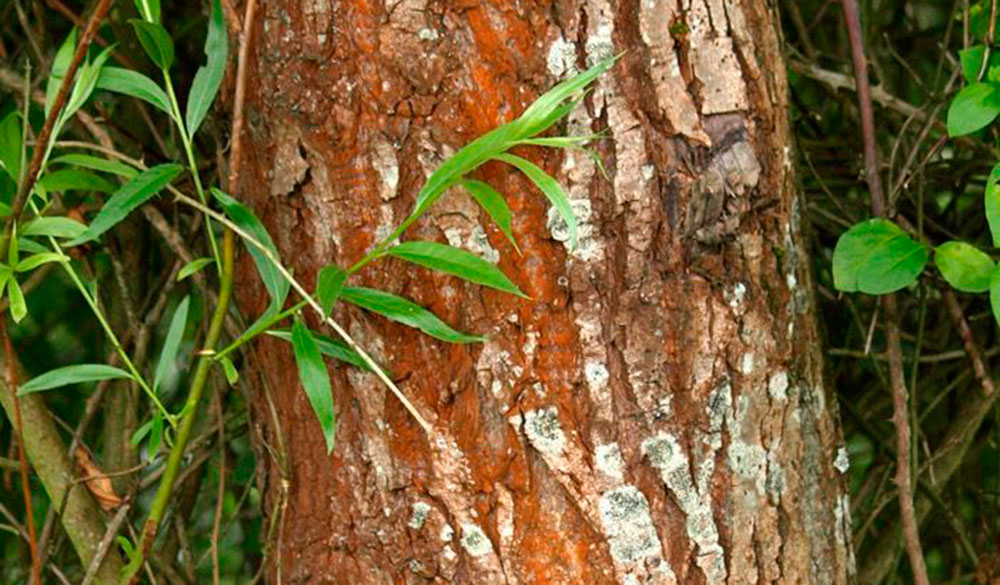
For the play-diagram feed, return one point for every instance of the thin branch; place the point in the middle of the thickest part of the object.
(864, 104)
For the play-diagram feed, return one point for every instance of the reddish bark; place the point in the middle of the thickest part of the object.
(655, 413)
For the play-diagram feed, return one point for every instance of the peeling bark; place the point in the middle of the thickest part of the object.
(656, 413)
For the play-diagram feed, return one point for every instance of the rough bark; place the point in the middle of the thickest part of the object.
(656, 412)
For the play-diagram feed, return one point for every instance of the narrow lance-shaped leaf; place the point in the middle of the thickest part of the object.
(57, 227)
(95, 163)
(75, 180)
(87, 77)
(132, 195)
(494, 205)
(315, 380)
(72, 375)
(149, 9)
(134, 84)
(406, 312)
(232, 375)
(209, 76)
(10, 145)
(172, 342)
(18, 308)
(329, 285)
(550, 187)
(156, 41)
(331, 348)
(275, 283)
(36, 260)
(59, 67)
(192, 267)
(6, 273)
(457, 262)
(538, 112)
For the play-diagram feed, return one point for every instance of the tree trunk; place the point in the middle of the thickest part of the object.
(655, 413)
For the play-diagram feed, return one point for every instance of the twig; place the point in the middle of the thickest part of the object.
(911, 530)
(236, 152)
(12, 385)
(105, 545)
(221, 496)
(35, 167)
(968, 342)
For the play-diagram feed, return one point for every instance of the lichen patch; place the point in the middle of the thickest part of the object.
(474, 541)
(628, 524)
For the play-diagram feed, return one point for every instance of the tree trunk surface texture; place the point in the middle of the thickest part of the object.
(655, 413)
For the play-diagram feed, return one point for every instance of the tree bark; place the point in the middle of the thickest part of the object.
(656, 412)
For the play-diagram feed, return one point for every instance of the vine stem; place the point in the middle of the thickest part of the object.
(897, 379)
(190, 410)
(181, 198)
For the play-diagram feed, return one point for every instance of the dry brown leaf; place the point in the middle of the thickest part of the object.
(97, 482)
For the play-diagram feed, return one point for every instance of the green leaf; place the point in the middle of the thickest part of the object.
(995, 294)
(275, 283)
(991, 200)
(331, 348)
(96, 164)
(86, 82)
(5, 276)
(877, 257)
(36, 260)
(18, 308)
(156, 41)
(457, 262)
(172, 342)
(132, 195)
(494, 205)
(315, 379)
(154, 428)
(973, 108)
(149, 9)
(134, 84)
(550, 187)
(193, 267)
(10, 145)
(209, 76)
(13, 250)
(57, 227)
(232, 375)
(31, 246)
(329, 285)
(534, 118)
(134, 558)
(59, 67)
(72, 375)
(75, 180)
(964, 266)
(406, 312)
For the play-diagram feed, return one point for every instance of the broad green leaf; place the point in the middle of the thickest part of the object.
(193, 267)
(550, 187)
(973, 108)
(10, 145)
(995, 294)
(991, 200)
(75, 180)
(329, 285)
(72, 375)
(171, 343)
(18, 308)
(36, 260)
(331, 348)
(134, 84)
(156, 41)
(95, 163)
(209, 76)
(232, 375)
(964, 266)
(315, 379)
(275, 283)
(494, 205)
(406, 312)
(457, 262)
(129, 197)
(877, 257)
(59, 67)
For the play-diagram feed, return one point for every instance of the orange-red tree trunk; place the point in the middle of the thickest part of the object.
(656, 412)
